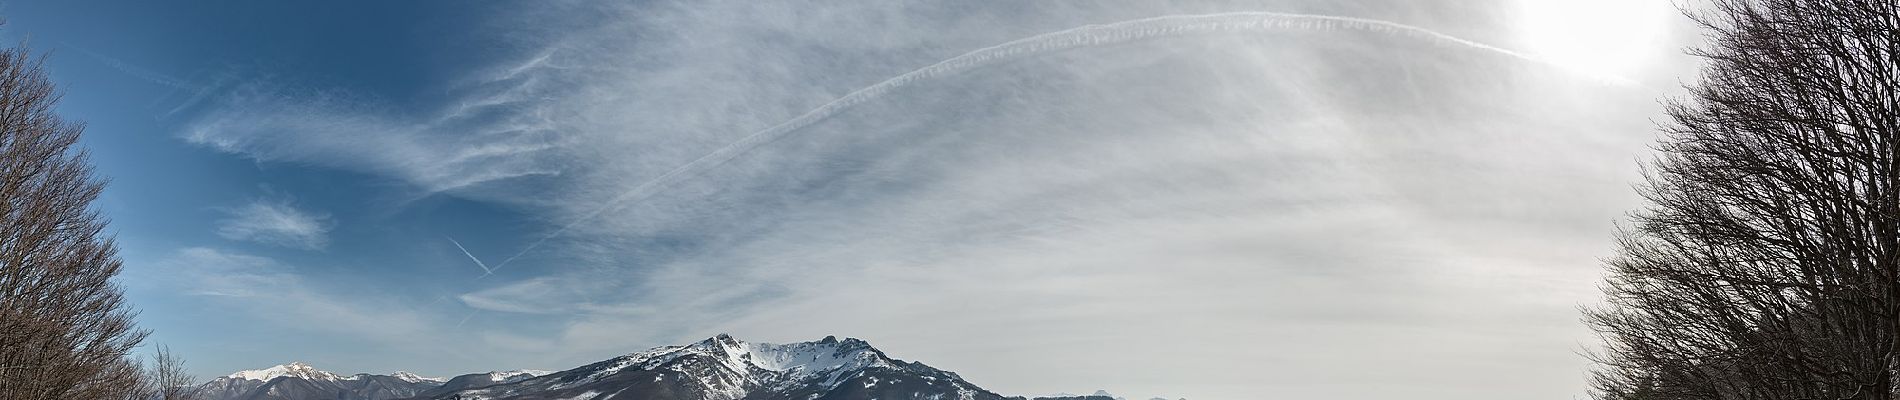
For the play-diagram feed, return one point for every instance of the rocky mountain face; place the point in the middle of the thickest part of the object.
(473, 381)
(724, 368)
(718, 368)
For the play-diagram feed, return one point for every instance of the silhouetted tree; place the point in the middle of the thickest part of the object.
(1768, 266)
(167, 379)
(65, 329)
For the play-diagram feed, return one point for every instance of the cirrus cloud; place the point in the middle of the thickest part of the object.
(1317, 199)
(276, 222)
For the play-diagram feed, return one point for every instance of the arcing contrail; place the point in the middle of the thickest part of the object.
(1080, 37)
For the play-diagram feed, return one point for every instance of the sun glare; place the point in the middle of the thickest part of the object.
(1600, 37)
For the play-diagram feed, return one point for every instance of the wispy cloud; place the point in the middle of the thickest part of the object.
(276, 222)
(267, 289)
(457, 149)
(1285, 204)
(266, 310)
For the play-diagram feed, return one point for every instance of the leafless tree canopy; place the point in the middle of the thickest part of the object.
(167, 377)
(65, 329)
(1768, 266)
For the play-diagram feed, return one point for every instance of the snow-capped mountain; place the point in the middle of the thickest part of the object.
(1099, 395)
(480, 380)
(299, 381)
(718, 368)
(725, 368)
(413, 378)
(295, 369)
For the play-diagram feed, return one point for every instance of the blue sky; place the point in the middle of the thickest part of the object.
(139, 73)
(1415, 195)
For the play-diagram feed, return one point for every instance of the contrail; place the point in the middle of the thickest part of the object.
(138, 72)
(471, 256)
(198, 92)
(197, 96)
(1079, 37)
(458, 325)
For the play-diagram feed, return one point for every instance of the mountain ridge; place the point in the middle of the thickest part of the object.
(718, 368)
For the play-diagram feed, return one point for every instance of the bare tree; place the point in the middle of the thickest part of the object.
(65, 328)
(167, 377)
(1768, 266)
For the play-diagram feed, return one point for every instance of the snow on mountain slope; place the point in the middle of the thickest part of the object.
(298, 369)
(413, 378)
(297, 380)
(718, 368)
(481, 380)
(726, 368)
(294, 369)
(510, 376)
(827, 358)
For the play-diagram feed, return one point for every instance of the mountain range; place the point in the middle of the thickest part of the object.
(718, 368)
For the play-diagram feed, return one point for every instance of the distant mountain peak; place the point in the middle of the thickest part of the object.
(514, 375)
(741, 356)
(296, 369)
(413, 378)
(300, 381)
(725, 367)
(1098, 395)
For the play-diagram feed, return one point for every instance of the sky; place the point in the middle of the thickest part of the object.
(1209, 200)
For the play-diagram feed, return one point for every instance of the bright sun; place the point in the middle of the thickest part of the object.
(1599, 37)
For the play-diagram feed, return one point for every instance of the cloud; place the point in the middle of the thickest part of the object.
(1275, 212)
(276, 222)
(458, 151)
(535, 296)
(269, 290)
(1098, 207)
(238, 310)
